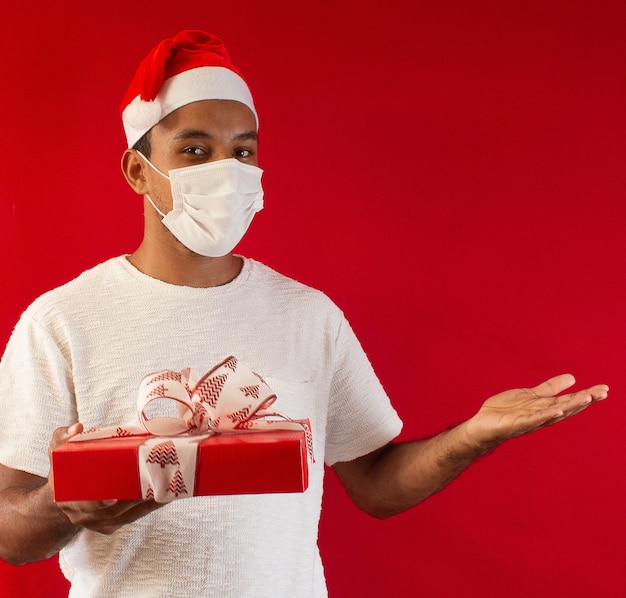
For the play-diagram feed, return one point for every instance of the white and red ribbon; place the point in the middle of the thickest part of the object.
(177, 410)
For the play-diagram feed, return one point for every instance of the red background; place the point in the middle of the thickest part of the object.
(452, 174)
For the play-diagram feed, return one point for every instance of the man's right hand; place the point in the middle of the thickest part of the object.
(103, 516)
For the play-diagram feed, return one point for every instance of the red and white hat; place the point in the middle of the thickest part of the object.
(190, 67)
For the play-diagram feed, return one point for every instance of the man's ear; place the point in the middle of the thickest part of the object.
(133, 168)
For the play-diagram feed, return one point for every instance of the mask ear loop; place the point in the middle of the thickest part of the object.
(154, 206)
(152, 165)
(162, 174)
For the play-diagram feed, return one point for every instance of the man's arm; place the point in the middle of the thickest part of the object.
(400, 475)
(34, 527)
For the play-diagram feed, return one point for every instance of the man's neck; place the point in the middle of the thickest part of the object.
(179, 266)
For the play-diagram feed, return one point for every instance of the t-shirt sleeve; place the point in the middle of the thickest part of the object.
(35, 396)
(361, 418)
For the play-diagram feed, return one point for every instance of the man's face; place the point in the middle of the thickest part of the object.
(200, 132)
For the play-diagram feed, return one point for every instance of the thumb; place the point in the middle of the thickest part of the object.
(62, 435)
(554, 386)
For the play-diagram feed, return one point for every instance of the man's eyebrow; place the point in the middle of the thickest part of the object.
(192, 134)
(247, 136)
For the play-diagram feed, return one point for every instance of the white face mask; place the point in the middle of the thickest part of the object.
(213, 204)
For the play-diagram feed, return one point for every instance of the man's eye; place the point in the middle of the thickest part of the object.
(243, 153)
(194, 151)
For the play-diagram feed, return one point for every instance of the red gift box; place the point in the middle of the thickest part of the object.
(235, 463)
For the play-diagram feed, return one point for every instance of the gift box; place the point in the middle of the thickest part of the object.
(234, 463)
(198, 436)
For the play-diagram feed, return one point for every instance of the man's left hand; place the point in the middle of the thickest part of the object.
(521, 411)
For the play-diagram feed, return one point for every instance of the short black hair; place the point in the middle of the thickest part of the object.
(144, 145)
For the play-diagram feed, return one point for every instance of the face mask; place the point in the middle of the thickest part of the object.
(213, 204)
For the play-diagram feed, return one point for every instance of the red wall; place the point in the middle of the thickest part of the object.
(452, 174)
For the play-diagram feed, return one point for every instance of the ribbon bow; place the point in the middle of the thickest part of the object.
(229, 397)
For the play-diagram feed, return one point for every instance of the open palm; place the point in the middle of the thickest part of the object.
(522, 410)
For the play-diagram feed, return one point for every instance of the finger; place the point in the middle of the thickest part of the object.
(599, 392)
(554, 386)
(59, 437)
(575, 402)
(90, 513)
(74, 430)
(108, 520)
(62, 435)
(554, 415)
(89, 507)
(103, 509)
(565, 406)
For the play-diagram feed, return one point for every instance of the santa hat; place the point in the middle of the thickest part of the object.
(190, 67)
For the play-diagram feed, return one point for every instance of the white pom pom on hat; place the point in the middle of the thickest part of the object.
(142, 115)
(190, 67)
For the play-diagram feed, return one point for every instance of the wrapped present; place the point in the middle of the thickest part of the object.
(235, 463)
(221, 438)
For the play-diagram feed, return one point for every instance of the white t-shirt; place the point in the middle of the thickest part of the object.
(79, 353)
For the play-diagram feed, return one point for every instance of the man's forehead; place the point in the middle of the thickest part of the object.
(210, 112)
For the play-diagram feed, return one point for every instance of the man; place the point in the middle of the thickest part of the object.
(184, 299)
